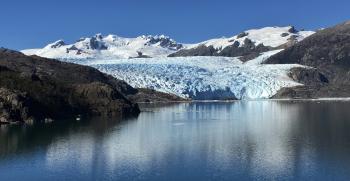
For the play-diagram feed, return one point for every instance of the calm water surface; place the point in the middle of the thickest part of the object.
(251, 140)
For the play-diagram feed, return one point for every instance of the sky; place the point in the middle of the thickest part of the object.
(35, 23)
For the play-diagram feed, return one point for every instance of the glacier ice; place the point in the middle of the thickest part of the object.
(199, 78)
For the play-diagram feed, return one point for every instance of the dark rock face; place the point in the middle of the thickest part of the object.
(198, 51)
(96, 43)
(16, 106)
(292, 30)
(74, 48)
(246, 52)
(58, 44)
(308, 76)
(328, 51)
(307, 92)
(34, 88)
(148, 95)
(93, 43)
(243, 34)
(164, 42)
(284, 34)
(141, 55)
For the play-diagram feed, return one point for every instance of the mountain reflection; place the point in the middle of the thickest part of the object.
(242, 140)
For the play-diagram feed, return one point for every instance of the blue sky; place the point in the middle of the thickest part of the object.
(34, 23)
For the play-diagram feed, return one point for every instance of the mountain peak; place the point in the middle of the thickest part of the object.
(56, 44)
(98, 36)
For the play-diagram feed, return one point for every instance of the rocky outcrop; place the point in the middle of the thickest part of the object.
(243, 34)
(141, 55)
(247, 51)
(57, 44)
(201, 50)
(163, 41)
(16, 106)
(102, 99)
(284, 34)
(308, 76)
(328, 52)
(148, 95)
(312, 92)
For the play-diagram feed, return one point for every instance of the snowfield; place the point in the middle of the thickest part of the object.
(199, 78)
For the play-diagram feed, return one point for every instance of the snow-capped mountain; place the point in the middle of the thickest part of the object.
(113, 47)
(110, 46)
(246, 45)
(228, 68)
(268, 36)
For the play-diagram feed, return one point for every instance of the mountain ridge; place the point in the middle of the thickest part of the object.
(115, 47)
(248, 44)
(109, 46)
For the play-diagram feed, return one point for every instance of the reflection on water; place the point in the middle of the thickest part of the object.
(205, 141)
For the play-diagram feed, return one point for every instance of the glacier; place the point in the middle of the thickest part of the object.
(197, 78)
(201, 78)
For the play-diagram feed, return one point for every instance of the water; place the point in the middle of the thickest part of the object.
(252, 140)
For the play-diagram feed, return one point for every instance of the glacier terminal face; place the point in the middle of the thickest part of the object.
(202, 78)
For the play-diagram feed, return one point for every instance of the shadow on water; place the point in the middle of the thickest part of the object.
(321, 131)
(23, 139)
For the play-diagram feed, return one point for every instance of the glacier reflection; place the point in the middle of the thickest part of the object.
(251, 135)
(237, 140)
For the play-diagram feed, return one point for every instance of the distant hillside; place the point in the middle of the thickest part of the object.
(328, 51)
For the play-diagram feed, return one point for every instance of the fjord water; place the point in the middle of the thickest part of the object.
(243, 140)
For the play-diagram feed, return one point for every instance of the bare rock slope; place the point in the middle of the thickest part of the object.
(327, 52)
